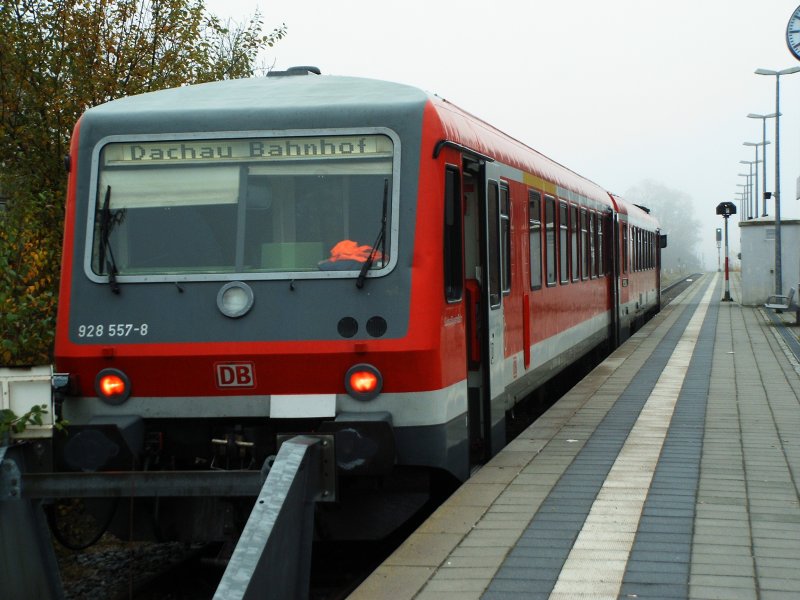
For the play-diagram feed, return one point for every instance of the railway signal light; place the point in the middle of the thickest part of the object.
(726, 209)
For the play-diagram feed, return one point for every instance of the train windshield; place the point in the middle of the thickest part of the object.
(268, 207)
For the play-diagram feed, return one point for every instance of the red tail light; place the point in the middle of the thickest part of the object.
(112, 386)
(363, 382)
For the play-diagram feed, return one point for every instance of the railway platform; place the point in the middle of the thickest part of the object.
(670, 471)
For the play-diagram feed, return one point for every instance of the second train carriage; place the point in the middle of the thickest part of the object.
(316, 253)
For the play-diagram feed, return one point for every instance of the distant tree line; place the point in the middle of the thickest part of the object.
(675, 212)
(58, 58)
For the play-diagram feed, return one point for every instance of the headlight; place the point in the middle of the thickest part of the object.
(363, 382)
(235, 299)
(112, 386)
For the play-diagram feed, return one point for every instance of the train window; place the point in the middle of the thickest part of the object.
(535, 237)
(645, 250)
(493, 223)
(608, 223)
(601, 268)
(505, 237)
(550, 239)
(453, 236)
(640, 237)
(637, 249)
(584, 245)
(563, 241)
(310, 206)
(624, 248)
(575, 236)
(652, 250)
(592, 241)
(596, 270)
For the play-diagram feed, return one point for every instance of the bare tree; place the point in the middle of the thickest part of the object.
(675, 211)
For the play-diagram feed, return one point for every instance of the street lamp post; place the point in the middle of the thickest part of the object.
(745, 187)
(746, 197)
(753, 211)
(755, 189)
(777, 74)
(764, 165)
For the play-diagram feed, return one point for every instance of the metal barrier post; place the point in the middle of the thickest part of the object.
(273, 556)
(28, 565)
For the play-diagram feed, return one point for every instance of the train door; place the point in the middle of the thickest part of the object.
(624, 279)
(484, 296)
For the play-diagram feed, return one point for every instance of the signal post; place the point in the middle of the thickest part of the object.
(726, 209)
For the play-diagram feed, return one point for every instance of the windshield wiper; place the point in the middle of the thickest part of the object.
(107, 222)
(379, 241)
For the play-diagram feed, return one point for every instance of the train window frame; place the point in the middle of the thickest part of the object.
(453, 236)
(563, 242)
(550, 247)
(505, 238)
(535, 231)
(232, 273)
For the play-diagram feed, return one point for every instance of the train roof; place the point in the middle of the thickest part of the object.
(242, 103)
(270, 96)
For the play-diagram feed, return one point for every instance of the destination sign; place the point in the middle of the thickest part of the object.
(253, 149)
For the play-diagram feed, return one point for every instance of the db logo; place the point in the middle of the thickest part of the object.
(240, 375)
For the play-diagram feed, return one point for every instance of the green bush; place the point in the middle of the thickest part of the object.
(30, 258)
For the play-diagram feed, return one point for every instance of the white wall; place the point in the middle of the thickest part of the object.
(758, 257)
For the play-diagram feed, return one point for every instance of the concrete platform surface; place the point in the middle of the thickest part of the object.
(670, 471)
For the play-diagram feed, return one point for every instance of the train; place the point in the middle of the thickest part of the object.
(307, 253)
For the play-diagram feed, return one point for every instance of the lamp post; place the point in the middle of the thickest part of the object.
(743, 204)
(745, 197)
(764, 165)
(755, 189)
(754, 211)
(777, 74)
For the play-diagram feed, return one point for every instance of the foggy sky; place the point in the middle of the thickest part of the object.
(620, 91)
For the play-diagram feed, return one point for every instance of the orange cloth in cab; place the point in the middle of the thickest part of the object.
(350, 250)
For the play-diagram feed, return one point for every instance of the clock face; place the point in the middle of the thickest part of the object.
(793, 33)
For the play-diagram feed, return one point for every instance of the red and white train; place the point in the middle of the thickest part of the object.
(307, 253)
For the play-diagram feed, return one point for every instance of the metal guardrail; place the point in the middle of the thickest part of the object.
(28, 566)
(272, 558)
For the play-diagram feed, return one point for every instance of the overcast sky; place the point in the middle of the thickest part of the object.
(620, 91)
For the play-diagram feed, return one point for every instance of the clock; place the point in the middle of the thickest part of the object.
(793, 33)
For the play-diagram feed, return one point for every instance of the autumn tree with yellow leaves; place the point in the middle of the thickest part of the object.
(58, 58)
